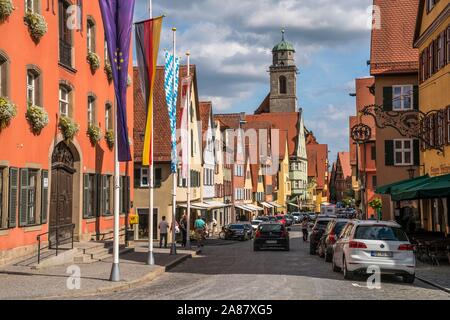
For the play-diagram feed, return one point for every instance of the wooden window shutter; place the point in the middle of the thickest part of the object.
(98, 203)
(128, 195)
(23, 197)
(416, 151)
(387, 98)
(430, 60)
(137, 177)
(13, 195)
(436, 57)
(44, 196)
(421, 71)
(416, 98)
(85, 196)
(443, 49)
(389, 152)
(4, 79)
(425, 62)
(447, 126)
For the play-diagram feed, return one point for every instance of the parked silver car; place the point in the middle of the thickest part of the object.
(367, 243)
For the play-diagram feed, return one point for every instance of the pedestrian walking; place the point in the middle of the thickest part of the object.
(183, 227)
(305, 229)
(214, 226)
(200, 228)
(163, 227)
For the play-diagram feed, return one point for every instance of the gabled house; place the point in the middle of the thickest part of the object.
(162, 157)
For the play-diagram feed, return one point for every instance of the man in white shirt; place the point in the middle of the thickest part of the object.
(163, 227)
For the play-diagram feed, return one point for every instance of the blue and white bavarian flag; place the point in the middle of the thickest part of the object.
(171, 99)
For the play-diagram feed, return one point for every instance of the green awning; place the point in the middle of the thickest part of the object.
(435, 187)
(401, 185)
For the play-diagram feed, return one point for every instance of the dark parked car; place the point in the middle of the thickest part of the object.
(289, 219)
(237, 231)
(317, 232)
(249, 230)
(271, 235)
(329, 237)
(272, 219)
(262, 218)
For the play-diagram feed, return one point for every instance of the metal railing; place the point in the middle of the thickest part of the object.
(57, 241)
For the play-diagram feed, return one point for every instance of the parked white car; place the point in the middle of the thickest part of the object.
(256, 223)
(374, 243)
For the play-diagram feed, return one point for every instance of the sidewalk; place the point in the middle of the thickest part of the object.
(20, 282)
(438, 276)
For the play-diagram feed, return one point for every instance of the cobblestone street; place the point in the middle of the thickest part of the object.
(236, 272)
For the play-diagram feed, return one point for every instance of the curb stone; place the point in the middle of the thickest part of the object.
(130, 284)
(433, 284)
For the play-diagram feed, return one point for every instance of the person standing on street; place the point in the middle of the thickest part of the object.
(200, 228)
(183, 227)
(305, 229)
(163, 227)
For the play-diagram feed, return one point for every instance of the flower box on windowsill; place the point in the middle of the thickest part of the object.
(6, 9)
(8, 111)
(37, 26)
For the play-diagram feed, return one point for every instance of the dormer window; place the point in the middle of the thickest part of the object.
(431, 4)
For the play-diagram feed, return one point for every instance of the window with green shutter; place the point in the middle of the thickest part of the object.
(27, 197)
(387, 98)
(90, 196)
(44, 196)
(13, 196)
(389, 152)
(2, 194)
(106, 195)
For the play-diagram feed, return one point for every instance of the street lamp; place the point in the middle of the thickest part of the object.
(361, 133)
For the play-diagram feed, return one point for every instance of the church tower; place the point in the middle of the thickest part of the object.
(283, 78)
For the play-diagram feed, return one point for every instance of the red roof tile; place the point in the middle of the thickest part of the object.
(286, 121)
(162, 145)
(265, 106)
(344, 159)
(392, 43)
(317, 162)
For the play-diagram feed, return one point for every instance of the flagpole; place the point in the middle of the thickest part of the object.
(150, 256)
(188, 192)
(173, 247)
(115, 271)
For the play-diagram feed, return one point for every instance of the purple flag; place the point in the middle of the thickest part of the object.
(118, 22)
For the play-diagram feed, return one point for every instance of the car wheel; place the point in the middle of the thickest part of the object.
(348, 275)
(334, 266)
(256, 248)
(312, 250)
(409, 278)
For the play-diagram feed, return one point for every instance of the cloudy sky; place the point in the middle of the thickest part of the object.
(231, 41)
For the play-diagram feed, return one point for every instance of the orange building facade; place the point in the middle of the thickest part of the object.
(49, 182)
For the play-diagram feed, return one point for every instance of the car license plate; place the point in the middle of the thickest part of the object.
(271, 241)
(382, 254)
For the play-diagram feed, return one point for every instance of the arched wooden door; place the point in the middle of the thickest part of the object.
(61, 192)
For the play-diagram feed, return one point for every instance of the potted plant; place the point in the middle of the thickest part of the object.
(108, 71)
(6, 8)
(37, 117)
(68, 127)
(94, 61)
(8, 111)
(109, 137)
(37, 26)
(376, 204)
(94, 133)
